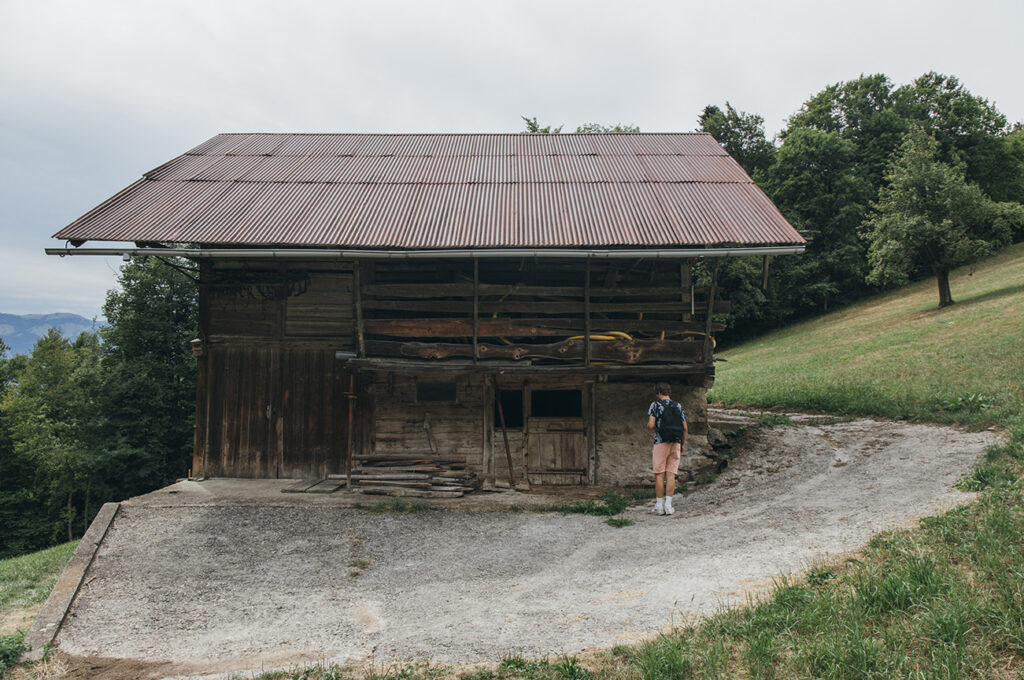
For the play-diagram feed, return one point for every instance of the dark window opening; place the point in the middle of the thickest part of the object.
(556, 404)
(512, 407)
(435, 391)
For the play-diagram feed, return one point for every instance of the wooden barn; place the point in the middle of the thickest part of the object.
(476, 300)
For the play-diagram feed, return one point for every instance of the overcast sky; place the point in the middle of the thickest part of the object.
(96, 93)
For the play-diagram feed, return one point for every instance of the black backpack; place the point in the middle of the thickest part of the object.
(670, 429)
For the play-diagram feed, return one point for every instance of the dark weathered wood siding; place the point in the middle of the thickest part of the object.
(400, 422)
(274, 399)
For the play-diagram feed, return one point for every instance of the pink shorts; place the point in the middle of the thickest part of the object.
(666, 457)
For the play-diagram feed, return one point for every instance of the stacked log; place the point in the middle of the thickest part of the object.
(416, 477)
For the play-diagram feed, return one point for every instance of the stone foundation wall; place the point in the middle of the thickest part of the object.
(624, 442)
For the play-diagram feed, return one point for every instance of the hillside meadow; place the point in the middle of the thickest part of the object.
(898, 354)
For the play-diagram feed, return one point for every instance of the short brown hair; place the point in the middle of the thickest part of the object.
(663, 388)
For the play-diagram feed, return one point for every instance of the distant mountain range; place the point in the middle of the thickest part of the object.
(20, 332)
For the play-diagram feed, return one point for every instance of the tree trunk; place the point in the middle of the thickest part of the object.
(69, 516)
(85, 509)
(945, 297)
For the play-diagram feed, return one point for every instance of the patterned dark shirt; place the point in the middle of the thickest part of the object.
(656, 409)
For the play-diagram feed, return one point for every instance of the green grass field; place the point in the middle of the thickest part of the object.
(27, 580)
(25, 583)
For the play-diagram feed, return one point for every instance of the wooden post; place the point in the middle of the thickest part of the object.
(685, 290)
(357, 293)
(201, 438)
(707, 323)
(487, 431)
(282, 303)
(591, 391)
(504, 433)
(586, 315)
(476, 309)
(764, 272)
(351, 419)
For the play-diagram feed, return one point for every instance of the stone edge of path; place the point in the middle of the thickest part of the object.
(50, 618)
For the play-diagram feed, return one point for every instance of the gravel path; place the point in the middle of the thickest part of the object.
(211, 584)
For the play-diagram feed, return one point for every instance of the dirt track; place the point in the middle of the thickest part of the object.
(210, 579)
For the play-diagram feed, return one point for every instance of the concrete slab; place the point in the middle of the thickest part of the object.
(229, 575)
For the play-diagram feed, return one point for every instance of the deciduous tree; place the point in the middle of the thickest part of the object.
(741, 135)
(149, 372)
(928, 214)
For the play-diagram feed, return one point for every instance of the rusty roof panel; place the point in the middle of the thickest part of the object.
(444, 191)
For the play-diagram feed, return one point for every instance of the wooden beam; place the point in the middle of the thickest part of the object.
(504, 431)
(357, 294)
(533, 306)
(586, 313)
(456, 366)
(441, 290)
(685, 288)
(491, 328)
(351, 394)
(629, 352)
(708, 358)
(476, 307)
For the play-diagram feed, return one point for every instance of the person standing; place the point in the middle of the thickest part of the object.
(668, 420)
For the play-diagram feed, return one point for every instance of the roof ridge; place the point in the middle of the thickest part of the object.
(462, 134)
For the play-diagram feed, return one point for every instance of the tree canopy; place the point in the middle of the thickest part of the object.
(101, 417)
(929, 215)
(741, 134)
(533, 127)
(831, 166)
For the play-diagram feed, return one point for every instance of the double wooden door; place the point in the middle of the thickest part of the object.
(271, 412)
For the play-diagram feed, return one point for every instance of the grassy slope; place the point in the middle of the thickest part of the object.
(898, 355)
(26, 582)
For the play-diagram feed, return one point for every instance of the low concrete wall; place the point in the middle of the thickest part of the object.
(51, 616)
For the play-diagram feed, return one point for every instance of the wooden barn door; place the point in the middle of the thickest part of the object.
(275, 413)
(555, 452)
(241, 439)
(312, 415)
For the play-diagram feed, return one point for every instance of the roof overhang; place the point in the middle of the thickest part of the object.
(341, 254)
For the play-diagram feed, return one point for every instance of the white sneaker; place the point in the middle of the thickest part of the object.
(668, 507)
(659, 507)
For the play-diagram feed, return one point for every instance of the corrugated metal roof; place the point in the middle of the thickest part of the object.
(444, 191)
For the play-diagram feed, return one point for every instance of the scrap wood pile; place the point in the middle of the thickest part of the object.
(418, 477)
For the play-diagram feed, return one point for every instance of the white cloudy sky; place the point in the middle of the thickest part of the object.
(96, 93)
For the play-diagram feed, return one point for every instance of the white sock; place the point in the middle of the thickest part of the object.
(659, 503)
(668, 501)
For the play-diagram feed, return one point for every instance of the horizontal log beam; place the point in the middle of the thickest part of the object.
(621, 372)
(539, 306)
(431, 290)
(463, 328)
(635, 352)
